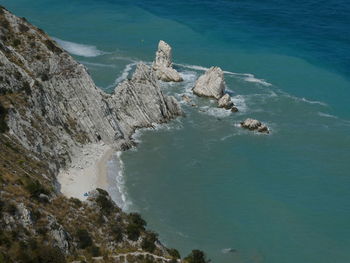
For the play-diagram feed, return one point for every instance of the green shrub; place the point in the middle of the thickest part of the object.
(51, 45)
(133, 232)
(16, 42)
(76, 202)
(84, 238)
(3, 124)
(26, 88)
(94, 251)
(102, 191)
(41, 254)
(11, 209)
(135, 226)
(105, 204)
(148, 243)
(117, 232)
(35, 188)
(174, 253)
(196, 256)
(135, 218)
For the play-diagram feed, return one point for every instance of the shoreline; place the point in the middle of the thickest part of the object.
(88, 171)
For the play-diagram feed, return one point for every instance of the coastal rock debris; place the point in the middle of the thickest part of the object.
(254, 125)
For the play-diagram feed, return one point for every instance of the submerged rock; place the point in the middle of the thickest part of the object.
(252, 125)
(163, 64)
(186, 98)
(225, 102)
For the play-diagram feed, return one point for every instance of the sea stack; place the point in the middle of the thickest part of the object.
(254, 125)
(163, 64)
(212, 84)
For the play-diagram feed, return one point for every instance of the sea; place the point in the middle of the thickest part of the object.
(201, 181)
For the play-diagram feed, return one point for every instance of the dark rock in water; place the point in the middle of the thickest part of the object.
(253, 125)
(234, 109)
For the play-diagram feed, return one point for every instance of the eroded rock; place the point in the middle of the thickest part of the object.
(210, 84)
(225, 102)
(163, 64)
(254, 125)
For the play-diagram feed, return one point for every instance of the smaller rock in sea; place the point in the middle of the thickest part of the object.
(225, 102)
(254, 125)
(186, 98)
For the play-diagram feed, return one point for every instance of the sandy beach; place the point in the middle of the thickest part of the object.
(87, 171)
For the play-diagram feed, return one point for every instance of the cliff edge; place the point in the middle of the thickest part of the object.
(50, 108)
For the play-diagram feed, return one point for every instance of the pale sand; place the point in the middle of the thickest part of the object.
(87, 171)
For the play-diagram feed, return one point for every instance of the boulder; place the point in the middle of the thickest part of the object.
(225, 102)
(234, 109)
(254, 125)
(210, 84)
(163, 64)
(186, 98)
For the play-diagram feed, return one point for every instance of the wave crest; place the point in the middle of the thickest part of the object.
(79, 49)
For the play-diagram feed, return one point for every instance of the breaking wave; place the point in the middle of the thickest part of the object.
(245, 76)
(79, 49)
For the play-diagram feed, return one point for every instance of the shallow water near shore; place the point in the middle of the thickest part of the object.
(201, 181)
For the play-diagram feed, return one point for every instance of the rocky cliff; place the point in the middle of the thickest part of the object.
(53, 104)
(49, 106)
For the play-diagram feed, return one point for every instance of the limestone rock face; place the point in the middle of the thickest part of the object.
(163, 64)
(211, 84)
(55, 107)
(225, 102)
(252, 125)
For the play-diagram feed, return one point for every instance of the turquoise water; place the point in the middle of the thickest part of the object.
(201, 181)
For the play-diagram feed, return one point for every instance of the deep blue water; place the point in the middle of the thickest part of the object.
(202, 182)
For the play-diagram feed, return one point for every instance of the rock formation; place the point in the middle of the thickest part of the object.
(255, 125)
(60, 107)
(225, 102)
(50, 108)
(163, 64)
(211, 84)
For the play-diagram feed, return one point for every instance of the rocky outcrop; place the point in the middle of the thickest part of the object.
(211, 84)
(163, 64)
(226, 103)
(255, 125)
(49, 109)
(53, 106)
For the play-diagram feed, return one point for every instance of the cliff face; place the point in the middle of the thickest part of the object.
(53, 104)
(49, 106)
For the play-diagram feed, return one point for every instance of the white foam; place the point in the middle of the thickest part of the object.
(215, 112)
(253, 79)
(322, 114)
(239, 102)
(119, 192)
(79, 49)
(174, 124)
(123, 76)
(97, 64)
(313, 101)
(245, 76)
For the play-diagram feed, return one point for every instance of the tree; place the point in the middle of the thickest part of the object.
(196, 256)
